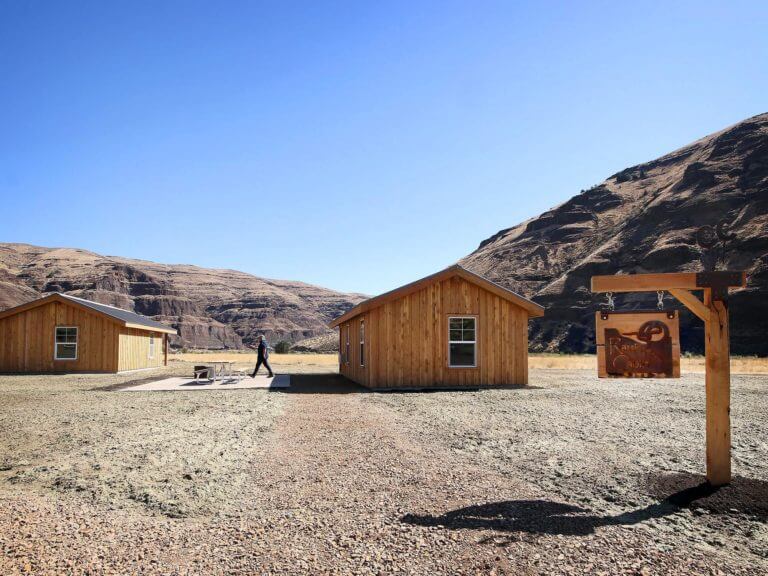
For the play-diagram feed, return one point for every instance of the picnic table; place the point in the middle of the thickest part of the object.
(217, 369)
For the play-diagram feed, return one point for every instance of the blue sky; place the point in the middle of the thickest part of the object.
(355, 145)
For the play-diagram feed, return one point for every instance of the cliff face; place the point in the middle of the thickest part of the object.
(211, 308)
(644, 219)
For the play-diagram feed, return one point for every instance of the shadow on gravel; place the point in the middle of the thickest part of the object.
(127, 384)
(320, 384)
(547, 517)
(742, 495)
(338, 384)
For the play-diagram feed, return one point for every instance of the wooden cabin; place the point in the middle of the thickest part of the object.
(453, 329)
(62, 333)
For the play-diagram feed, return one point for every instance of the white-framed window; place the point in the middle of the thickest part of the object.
(65, 347)
(151, 345)
(346, 352)
(462, 341)
(362, 342)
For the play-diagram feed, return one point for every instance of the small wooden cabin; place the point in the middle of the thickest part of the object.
(453, 329)
(62, 333)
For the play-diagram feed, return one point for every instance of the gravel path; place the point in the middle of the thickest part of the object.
(573, 476)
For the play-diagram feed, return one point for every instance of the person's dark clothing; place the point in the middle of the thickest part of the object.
(263, 354)
(259, 362)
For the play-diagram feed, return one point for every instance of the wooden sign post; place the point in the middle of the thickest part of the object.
(713, 311)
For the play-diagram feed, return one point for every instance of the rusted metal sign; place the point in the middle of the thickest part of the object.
(638, 344)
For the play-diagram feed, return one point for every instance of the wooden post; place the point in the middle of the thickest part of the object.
(718, 390)
(714, 312)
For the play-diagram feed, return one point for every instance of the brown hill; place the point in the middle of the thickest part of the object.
(644, 219)
(212, 308)
(324, 343)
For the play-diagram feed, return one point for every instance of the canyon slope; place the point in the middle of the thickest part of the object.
(645, 219)
(212, 309)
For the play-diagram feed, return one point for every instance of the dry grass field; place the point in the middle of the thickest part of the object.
(573, 475)
(690, 365)
(310, 362)
(304, 363)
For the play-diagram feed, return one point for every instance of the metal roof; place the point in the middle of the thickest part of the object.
(118, 313)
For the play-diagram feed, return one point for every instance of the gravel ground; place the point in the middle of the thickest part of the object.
(571, 476)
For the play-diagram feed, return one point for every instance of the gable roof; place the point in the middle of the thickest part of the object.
(122, 317)
(533, 309)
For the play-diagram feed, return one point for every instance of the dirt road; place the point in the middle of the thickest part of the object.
(573, 476)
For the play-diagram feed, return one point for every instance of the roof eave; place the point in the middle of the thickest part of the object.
(151, 328)
(534, 310)
(57, 297)
(30, 305)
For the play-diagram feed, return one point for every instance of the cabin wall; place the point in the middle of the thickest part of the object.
(27, 340)
(407, 340)
(353, 368)
(134, 350)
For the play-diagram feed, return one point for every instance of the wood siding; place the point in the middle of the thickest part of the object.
(134, 350)
(407, 340)
(27, 340)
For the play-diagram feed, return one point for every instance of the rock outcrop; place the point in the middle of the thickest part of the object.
(644, 219)
(324, 344)
(212, 309)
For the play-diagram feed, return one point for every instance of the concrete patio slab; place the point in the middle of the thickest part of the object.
(181, 384)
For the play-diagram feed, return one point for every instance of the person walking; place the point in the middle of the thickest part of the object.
(262, 356)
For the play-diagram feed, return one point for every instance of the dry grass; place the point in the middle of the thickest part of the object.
(281, 363)
(695, 364)
(739, 365)
(329, 362)
(562, 361)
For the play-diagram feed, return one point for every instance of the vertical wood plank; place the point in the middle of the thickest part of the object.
(718, 390)
(407, 339)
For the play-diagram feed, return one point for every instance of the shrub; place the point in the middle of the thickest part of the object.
(283, 347)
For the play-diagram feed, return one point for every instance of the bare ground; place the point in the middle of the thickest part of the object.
(573, 475)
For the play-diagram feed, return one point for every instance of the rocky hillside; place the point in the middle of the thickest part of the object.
(211, 308)
(644, 219)
(324, 343)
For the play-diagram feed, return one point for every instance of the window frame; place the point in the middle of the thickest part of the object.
(346, 347)
(151, 350)
(362, 342)
(473, 342)
(56, 343)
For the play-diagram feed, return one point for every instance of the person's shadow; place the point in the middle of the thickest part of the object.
(548, 517)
